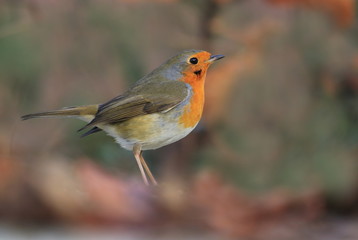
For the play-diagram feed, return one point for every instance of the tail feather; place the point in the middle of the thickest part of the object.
(81, 112)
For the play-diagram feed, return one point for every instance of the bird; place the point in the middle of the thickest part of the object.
(161, 108)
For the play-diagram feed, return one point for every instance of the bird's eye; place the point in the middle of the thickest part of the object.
(193, 60)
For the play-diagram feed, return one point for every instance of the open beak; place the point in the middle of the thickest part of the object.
(215, 57)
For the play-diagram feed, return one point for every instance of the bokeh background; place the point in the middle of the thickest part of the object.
(274, 157)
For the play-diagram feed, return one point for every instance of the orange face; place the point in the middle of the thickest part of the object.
(198, 64)
(194, 75)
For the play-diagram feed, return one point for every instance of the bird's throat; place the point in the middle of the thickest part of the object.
(194, 110)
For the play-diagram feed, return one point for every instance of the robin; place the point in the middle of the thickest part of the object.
(161, 108)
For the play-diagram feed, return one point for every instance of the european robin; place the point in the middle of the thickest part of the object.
(161, 108)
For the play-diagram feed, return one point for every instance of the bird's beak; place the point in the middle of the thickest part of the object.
(214, 58)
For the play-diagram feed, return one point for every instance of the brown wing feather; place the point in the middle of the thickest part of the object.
(152, 98)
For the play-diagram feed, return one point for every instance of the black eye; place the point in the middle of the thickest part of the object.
(193, 60)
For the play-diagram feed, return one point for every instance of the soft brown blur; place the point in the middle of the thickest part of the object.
(274, 157)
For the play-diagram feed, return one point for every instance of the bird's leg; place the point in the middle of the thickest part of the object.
(146, 168)
(138, 156)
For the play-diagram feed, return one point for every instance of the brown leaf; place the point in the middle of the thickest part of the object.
(232, 211)
(85, 194)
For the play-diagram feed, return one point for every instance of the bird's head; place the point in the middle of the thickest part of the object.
(189, 64)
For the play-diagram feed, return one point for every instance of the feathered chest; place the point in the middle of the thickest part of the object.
(193, 110)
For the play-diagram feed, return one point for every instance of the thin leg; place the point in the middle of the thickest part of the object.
(137, 154)
(146, 168)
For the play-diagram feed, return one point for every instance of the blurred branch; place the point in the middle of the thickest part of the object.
(211, 10)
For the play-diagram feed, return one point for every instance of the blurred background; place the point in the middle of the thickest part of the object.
(274, 157)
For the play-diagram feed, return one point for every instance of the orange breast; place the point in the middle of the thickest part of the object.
(193, 111)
